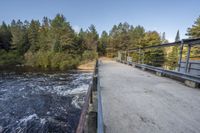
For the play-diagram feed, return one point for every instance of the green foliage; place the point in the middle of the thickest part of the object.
(53, 44)
(91, 38)
(153, 57)
(52, 60)
(5, 37)
(10, 58)
(33, 36)
(89, 55)
(50, 45)
(163, 39)
(194, 31)
(172, 60)
(62, 34)
(104, 42)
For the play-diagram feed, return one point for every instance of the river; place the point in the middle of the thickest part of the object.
(42, 102)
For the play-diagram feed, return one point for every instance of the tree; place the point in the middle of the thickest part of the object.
(33, 35)
(44, 35)
(19, 37)
(62, 34)
(91, 38)
(136, 37)
(153, 57)
(104, 40)
(194, 31)
(120, 37)
(177, 38)
(163, 38)
(5, 36)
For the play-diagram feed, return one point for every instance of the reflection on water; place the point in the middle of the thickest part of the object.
(36, 102)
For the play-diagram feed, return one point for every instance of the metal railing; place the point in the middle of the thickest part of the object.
(100, 124)
(181, 76)
(94, 86)
(183, 72)
(82, 120)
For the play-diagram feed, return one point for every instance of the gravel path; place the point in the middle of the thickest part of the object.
(135, 101)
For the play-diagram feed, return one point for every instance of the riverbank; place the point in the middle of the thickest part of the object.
(84, 67)
(88, 66)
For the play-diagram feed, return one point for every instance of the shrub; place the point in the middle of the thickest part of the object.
(89, 55)
(10, 58)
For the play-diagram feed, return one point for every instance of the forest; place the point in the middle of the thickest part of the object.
(53, 44)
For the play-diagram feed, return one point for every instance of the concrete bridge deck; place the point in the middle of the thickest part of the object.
(135, 101)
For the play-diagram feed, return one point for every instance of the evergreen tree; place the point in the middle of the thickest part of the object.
(177, 38)
(137, 34)
(194, 31)
(153, 57)
(44, 36)
(163, 38)
(103, 43)
(19, 37)
(62, 34)
(91, 38)
(5, 36)
(33, 36)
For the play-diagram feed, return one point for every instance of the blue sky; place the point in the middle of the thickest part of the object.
(161, 15)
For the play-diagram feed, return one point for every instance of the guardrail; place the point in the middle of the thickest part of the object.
(100, 124)
(89, 100)
(183, 76)
(82, 120)
(187, 70)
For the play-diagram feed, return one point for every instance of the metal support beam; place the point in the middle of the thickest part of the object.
(187, 59)
(180, 56)
(125, 57)
(139, 56)
(143, 56)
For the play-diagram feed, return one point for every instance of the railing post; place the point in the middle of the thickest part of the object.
(180, 56)
(188, 58)
(139, 56)
(143, 56)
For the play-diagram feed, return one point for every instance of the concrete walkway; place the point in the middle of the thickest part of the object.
(135, 101)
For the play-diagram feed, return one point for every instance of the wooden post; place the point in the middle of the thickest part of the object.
(180, 56)
(188, 58)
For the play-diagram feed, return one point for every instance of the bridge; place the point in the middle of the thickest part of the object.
(129, 96)
(136, 101)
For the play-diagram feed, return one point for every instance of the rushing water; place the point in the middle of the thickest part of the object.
(41, 103)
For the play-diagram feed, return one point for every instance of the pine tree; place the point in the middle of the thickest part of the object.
(5, 36)
(92, 38)
(153, 57)
(19, 37)
(33, 35)
(103, 43)
(177, 38)
(62, 34)
(194, 31)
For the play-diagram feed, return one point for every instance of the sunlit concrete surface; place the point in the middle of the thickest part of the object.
(135, 101)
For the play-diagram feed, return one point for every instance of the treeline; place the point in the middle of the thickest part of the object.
(54, 44)
(124, 36)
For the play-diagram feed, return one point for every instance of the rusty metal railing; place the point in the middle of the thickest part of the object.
(82, 120)
(94, 86)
